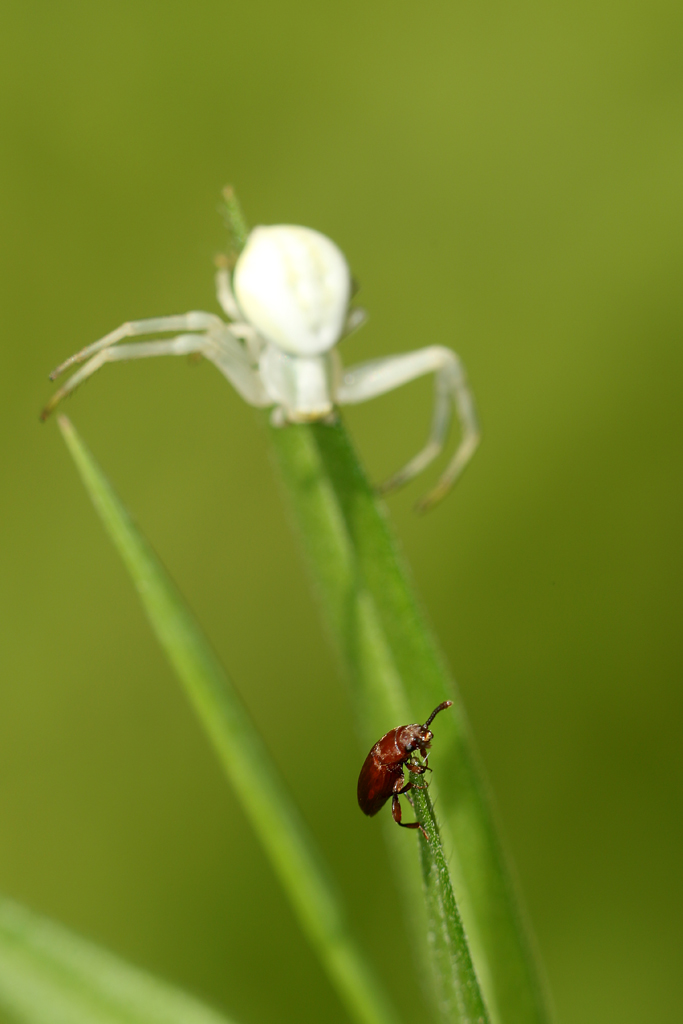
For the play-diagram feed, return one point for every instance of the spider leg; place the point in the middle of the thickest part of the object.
(228, 303)
(224, 293)
(234, 362)
(195, 321)
(180, 346)
(367, 380)
(355, 318)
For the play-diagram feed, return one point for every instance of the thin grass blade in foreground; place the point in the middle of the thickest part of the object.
(459, 995)
(246, 762)
(48, 975)
(398, 674)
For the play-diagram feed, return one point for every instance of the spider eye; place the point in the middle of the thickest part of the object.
(293, 285)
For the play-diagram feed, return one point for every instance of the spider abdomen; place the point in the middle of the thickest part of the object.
(293, 285)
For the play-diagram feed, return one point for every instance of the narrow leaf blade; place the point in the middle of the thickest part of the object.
(48, 975)
(398, 674)
(246, 762)
(460, 996)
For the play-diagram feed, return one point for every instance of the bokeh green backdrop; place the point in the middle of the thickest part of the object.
(505, 179)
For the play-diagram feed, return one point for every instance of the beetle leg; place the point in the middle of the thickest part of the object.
(409, 785)
(413, 785)
(416, 768)
(396, 814)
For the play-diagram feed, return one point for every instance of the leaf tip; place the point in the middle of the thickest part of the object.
(66, 426)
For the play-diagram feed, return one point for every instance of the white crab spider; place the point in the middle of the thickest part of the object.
(288, 306)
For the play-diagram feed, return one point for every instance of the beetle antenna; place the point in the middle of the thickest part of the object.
(441, 707)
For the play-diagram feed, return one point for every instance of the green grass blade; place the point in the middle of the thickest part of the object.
(399, 675)
(50, 976)
(460, 995)
(235, 223)
(266, 801)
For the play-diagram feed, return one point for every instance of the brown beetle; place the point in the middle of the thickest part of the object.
(381, 776)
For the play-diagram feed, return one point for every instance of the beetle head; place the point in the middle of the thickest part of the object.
(415, 737)
(419, 737)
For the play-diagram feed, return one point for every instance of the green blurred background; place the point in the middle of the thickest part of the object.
(505, 179)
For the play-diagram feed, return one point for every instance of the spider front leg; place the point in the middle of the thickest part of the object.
(224, 293)
(228, 303)
(195, 321)
(184, 344)
(360, 383)
(216, 343)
